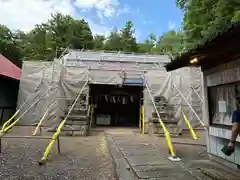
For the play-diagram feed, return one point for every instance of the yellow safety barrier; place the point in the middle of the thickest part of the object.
(168, 138)
(143, 120)
(9, 120)
(50, 145)
(194, 135)
(56, 134)
(140, 120)
(167, 135)
(6, 129)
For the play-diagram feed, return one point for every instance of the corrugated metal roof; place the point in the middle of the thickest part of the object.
(77, 55)
(7, 68)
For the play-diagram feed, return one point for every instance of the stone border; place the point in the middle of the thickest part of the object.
(123, 170)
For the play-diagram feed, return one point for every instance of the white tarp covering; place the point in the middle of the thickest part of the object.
(70, 77)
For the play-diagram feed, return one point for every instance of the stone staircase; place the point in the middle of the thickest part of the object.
(166, 112)
(78, 121)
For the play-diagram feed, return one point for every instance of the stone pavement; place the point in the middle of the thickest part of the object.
(145, 157)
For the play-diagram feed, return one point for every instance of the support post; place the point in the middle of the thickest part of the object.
(143, 120)
(0, 145)
(58, 145)
(2, 116)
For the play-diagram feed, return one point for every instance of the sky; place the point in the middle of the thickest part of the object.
(148, 16)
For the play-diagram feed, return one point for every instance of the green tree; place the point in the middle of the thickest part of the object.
(80, 36)
(98, 42)
(148, 45)
(38, 44)
(128, 40)
(58, 33)
(170, 43)
(68, 32)
(9, 47)
(204, 18)
(114, 41)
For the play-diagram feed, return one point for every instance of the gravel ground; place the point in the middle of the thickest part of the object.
(85, 158)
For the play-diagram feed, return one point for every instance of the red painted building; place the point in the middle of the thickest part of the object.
(10, 75)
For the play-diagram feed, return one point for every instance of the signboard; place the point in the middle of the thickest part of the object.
(103, 119)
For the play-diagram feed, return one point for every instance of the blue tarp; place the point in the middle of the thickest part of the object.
(133, 82)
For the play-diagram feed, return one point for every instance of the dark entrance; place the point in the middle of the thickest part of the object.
(116, 106)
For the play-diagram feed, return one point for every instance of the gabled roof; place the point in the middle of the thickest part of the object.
(8, 69)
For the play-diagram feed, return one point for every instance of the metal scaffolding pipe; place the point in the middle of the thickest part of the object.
(111, 69)
(202, 123)
(197, 94)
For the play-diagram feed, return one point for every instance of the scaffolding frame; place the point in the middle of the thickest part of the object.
(146, 60)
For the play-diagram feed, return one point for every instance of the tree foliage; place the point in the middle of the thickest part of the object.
(204, 18)
(99, 42)
(114, 41)
(9, 47)
(47, 40)
(148, 45)
(129, 42)
(171, 43)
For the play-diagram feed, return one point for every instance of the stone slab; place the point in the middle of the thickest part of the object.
(143, 160)
(171, 173)
(123, 170)
(154, 167)
(133, 153)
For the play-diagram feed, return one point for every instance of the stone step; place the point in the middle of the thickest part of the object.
(158, 125)
(159, 130)
(70, 122)
(76, 117)
(162, 113)
(75, 128)
(77, 106)
(74, 133)
(76, 111)
(156, 120)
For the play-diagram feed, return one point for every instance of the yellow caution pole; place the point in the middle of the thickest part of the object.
(194, 136)
(173, 156)
(50, 145)
(9, 120)
(6, 129)
(168, 138)
(140, 120)
(56, 134)
(143, 120)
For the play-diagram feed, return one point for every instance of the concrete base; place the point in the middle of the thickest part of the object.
(223, 162)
